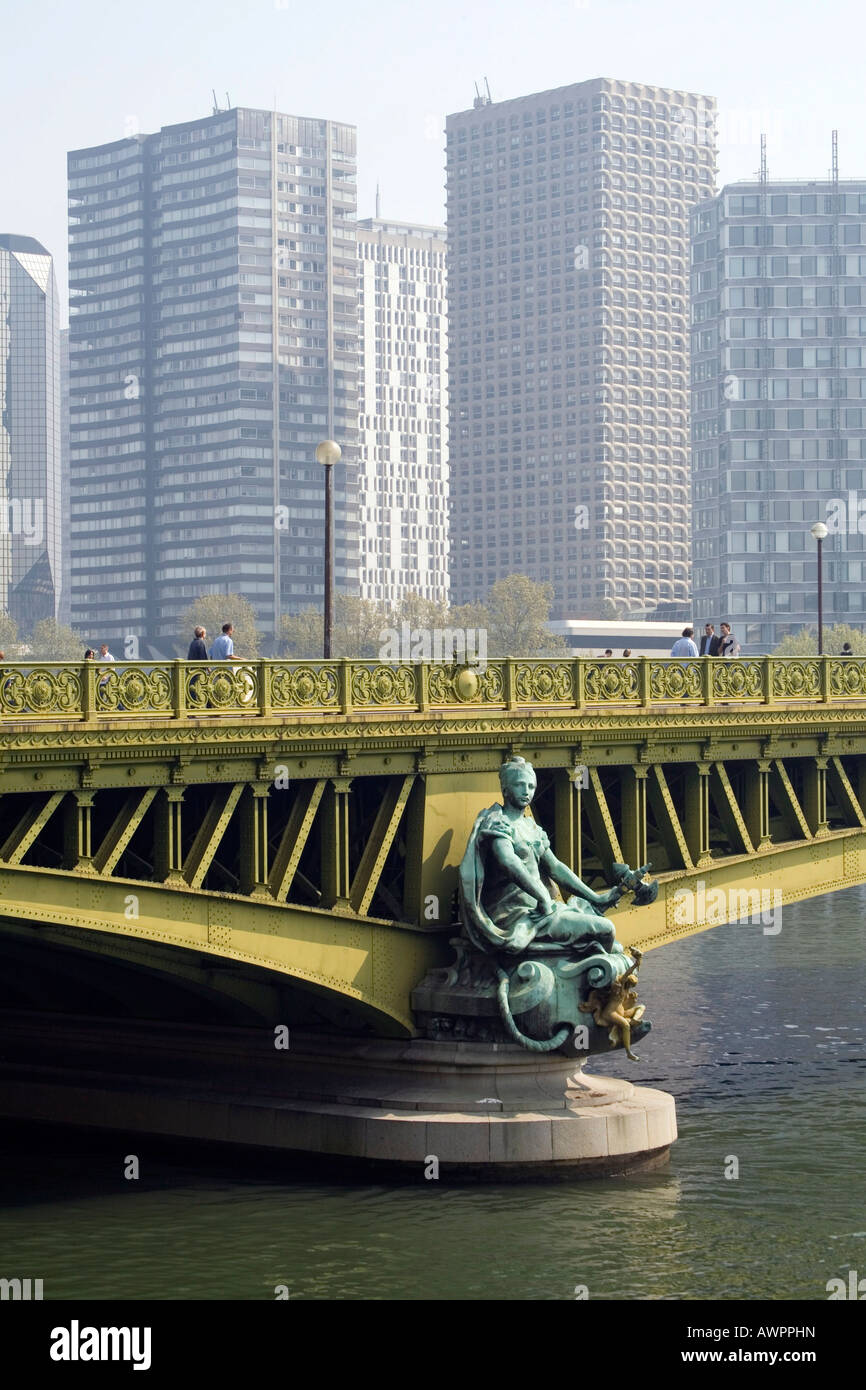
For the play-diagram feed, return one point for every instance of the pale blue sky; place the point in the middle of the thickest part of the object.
(83, 72)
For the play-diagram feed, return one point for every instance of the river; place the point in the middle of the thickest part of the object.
(762, 1040)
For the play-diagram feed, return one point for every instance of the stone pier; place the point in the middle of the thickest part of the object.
(487, 1111)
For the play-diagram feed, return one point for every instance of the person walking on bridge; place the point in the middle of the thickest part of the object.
(197, 649)
(684, 646)
(729, 646)
(223, 648)
(710, 641)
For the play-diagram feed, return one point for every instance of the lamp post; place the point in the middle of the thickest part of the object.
(819, 532)
(327, 454)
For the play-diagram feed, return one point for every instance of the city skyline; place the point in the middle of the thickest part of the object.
(130, 78)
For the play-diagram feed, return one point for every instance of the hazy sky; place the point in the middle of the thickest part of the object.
(88, 71)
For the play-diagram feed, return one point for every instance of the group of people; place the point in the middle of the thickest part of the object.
(712, 643)
(222, 647)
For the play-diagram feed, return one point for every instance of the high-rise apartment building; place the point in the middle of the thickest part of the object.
(213, 344)
(779, 405)
(403, 470)
(30, 575)
(568, 323)
(63, 609)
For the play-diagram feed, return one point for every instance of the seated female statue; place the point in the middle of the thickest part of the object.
(505, 903)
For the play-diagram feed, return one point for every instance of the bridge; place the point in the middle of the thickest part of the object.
(279, 839)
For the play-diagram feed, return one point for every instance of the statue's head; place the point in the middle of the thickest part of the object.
(517, 780)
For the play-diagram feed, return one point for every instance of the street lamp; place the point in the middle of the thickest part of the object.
(327, 454)
(819, 532)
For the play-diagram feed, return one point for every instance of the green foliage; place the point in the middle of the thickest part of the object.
(514, 617)
(210, 611)
(301, 635)
(358, 626)
(805, 641)
(421, 612)
(8, 634)
(53, 641)
(519, 610)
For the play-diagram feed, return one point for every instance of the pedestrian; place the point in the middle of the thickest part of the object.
(197, 649)
(608, 651)
(223, 648)
(627, 652)
(710, 641)
(684, 646)
(729, 646)
(90, 654)
(104, 653)
(846, 650)
(197, 652)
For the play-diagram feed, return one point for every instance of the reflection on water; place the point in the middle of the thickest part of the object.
(761, 1040)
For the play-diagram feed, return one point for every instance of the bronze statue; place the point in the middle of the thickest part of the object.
(525, 954)
(506, 904)
(616, 1007)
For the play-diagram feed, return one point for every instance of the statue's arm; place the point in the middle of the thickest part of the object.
(566, 878)
(508, 860)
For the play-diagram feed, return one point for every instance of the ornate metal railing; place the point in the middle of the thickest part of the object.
(261, 689)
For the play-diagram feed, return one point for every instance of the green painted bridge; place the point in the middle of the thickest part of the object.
(280, 839)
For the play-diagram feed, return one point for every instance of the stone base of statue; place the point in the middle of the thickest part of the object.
(415, 1109)
(486, 1111)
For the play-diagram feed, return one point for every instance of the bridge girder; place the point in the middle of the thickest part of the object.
(323, 846)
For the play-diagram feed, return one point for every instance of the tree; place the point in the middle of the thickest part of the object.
(210, 611)
(301, 635)
(805, 641)
(603, 609)
(8, 634)
(358, 627)
(357, 632)
(519, 611)
(420, 613)
(53, 641)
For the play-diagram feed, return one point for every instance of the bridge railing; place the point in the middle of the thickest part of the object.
(184, 690)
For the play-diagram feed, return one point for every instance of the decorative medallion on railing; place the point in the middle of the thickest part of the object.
(39, 691)
(227, 686)
(848, 677)
(676, 680)
(797, 679)
(737, 680)
(545, 683)
(383, 685)
(304, 687)
(133, 690)
(610, 680)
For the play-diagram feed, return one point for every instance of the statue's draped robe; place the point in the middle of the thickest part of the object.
(500, 915)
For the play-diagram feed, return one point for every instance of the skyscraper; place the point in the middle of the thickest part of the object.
(568, 294)
(779, 404)
(63, 610)
(213, 344)
(30, 577)
(403, 474)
